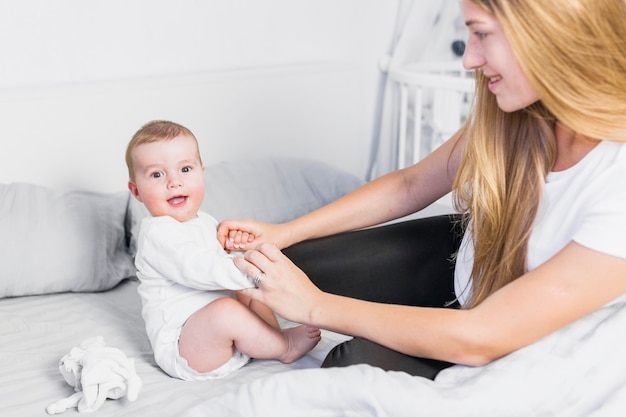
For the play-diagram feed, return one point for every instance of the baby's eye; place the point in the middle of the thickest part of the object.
(156, 174)
(186, 169)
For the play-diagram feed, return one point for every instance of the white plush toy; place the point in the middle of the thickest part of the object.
(96, 372)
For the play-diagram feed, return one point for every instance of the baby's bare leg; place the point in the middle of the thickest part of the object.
(210, 336)
(259, 308)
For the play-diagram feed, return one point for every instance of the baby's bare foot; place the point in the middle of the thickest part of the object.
(301, 339)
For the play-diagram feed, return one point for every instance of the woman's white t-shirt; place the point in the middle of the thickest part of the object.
(585, 203)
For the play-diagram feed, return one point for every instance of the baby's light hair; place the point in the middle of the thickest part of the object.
(155, 131)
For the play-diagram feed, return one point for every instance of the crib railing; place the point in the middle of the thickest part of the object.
(433, 101)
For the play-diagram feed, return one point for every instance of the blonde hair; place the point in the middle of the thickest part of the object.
(155, 131)
(573, 53)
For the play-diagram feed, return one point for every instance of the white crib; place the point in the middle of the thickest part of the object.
(433, 101)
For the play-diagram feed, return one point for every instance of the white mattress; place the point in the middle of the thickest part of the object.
(35, 332)
(578, 371)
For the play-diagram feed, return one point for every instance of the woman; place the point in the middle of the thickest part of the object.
(539, 171)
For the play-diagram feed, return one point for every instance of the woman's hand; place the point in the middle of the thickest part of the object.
(248, 234)
(283, 286)
(237, 234)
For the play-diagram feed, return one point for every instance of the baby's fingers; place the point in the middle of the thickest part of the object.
(239, 239)
(246, 237)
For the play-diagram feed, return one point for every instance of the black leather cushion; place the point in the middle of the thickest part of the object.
(408, 263)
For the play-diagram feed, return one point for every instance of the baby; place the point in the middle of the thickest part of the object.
(199, 326)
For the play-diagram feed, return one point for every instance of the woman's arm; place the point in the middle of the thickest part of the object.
(389, 197)
(569, 286)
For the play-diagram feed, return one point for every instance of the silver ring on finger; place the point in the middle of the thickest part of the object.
(257, 279)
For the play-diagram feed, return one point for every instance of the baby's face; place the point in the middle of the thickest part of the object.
(169, 177)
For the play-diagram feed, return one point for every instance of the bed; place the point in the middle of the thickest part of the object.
(67, 275)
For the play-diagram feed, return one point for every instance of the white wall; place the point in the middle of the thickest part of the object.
(250, 78)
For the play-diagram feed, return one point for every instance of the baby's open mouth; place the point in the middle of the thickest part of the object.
(179, 199)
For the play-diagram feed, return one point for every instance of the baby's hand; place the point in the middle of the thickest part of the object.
(243, 235)
(236, 234)
(237, 239)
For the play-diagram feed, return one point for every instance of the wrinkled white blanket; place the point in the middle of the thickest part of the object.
(97, 373)
(579, 370)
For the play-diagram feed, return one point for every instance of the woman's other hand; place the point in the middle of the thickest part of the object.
(283, 287)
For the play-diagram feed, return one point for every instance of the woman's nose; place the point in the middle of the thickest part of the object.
(472, 58)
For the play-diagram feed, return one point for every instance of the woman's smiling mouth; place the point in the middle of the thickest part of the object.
(493, 81)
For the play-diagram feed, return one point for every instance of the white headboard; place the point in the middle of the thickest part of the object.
(75, 136)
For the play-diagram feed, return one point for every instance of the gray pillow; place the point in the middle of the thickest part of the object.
(54, 241)
(273, 190)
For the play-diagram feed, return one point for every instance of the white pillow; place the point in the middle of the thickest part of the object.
(53, 241)
(273, 190)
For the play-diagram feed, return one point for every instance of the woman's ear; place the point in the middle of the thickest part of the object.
(134, 190)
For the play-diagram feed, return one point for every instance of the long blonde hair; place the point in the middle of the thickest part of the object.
(574, 54)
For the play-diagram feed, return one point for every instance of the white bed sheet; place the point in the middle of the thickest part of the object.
(36, 331)
(578, 371)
